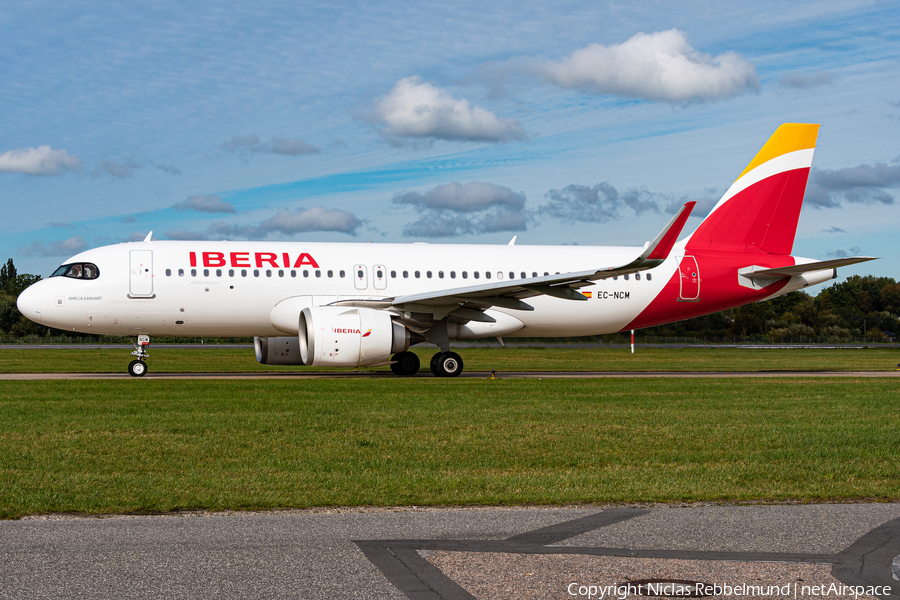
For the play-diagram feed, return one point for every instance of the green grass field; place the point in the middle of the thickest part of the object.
(178, 360)
(114, 446)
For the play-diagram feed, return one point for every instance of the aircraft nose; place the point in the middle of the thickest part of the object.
(29, 304)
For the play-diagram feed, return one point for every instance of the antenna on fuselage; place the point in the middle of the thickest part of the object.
(149, 235)
(512, 242)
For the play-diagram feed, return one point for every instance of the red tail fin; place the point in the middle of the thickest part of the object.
(759, 212)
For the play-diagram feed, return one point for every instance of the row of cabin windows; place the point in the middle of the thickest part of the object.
(360, 274)
(256, 273)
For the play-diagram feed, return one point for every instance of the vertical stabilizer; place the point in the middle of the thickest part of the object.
(760, 210)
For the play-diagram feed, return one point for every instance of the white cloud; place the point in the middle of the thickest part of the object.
(68, 247)
(207, 203)
(318, 218)
(467, 197)
(488, 208)
(116, 169)
(42, 160)
(656, 66)
(415, 109)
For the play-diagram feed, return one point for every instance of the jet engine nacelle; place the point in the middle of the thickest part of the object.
(338, 336)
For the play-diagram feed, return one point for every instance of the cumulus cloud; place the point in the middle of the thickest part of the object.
(706, 201)
(862, 184)
(854, 251)
(318, 218)
(469, 197)
(414, 109)
(116, 169)
(168, 168)
(834, 229)
(251, 144)
(658, 66)
(42, 160)
(207, 203)
(68, 247)
(453, 209)
(804, 82)
(599, 203)
(286, 222)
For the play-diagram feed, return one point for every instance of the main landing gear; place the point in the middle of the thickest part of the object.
(443, 364)
(446, 364)
(406, 365)
(138, 368)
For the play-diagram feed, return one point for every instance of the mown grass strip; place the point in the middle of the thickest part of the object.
(177, 360)
(145, 446)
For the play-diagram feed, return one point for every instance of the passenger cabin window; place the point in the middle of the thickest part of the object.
(465, 275)
(428, 274)
(440, 274)
(637, 276)
(418, 274)
(523, 274)
(305, 273)
(405, 274)
(168, 272)
(318, 273)
(487, 274)
(512, 275)
(231, 272)
(330, 273)
(649, 276)
(181, 272)
(626, 277)
(206, 272)
(243, 272)
(344, 274)
(534, 274)
(218, 272)
(293, 272)
(280, 272)
(393, 274)
(256, 272)
(77, 271)
(268, 272)
(193, 272)
(476, 275)
(452, 274)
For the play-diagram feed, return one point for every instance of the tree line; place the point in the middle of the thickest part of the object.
(859, 307)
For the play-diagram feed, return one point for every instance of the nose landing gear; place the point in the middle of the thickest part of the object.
(138, 368)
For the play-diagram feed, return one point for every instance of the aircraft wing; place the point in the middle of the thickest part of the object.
(800, 269)
(468, 303)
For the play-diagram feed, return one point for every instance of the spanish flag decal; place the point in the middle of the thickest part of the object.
(588, 294)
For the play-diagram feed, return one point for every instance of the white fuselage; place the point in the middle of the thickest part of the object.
(171, 288)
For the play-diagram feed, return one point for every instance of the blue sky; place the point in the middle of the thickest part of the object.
(562, 123)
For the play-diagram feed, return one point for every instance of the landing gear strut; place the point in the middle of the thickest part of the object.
(446, 364)
(137, 368)
(407, 364)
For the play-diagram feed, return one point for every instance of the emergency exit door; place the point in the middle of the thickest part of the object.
(141, 281)
(690, 279)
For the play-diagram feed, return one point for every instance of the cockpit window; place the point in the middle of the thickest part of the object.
(78, 271)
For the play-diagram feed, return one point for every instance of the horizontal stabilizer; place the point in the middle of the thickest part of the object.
(821, 265)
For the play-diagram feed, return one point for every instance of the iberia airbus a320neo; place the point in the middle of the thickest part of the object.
(364, 305)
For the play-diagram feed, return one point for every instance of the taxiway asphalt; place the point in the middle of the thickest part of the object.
(452, 554)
